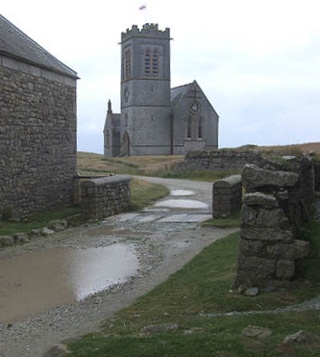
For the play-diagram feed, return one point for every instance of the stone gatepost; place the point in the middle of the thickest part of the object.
(267, 248)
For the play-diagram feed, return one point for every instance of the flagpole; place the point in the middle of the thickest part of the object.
(144, 8)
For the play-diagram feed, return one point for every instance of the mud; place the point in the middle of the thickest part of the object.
(37, 281)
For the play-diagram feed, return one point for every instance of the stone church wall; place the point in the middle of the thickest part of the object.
(37, 139)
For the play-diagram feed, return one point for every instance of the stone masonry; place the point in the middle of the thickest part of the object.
(222, 159)
(226, 196)
(38, 126)
(274, 208)
(104, 197)
(37, 141)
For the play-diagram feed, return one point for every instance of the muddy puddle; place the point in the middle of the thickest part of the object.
(36, 281)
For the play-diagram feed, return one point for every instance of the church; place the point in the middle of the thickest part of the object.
(156, 119)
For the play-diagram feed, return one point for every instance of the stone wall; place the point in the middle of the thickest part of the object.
(219, 160)
(275, 205)
(37, 139)
(226, 196)
(104, 197)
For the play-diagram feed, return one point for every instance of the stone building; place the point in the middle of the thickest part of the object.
(37, 126)
(156, 119)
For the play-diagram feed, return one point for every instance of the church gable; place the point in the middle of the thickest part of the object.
(195, 122)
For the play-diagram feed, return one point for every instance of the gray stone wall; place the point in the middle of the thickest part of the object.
(226, 196)
(104, 197)
(223, 159)
(274, 207)
(37, 139)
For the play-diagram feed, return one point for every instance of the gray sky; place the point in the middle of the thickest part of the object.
(258, 61)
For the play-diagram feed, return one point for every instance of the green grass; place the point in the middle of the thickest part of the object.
(39, 220)
(190, 297)
(229, 222)
(144, 193)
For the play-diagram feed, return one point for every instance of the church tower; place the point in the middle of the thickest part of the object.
(145, 91)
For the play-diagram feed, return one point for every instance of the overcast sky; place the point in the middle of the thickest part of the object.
(257, 61)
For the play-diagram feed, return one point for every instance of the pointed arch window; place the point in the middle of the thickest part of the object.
(200, 128)
(151, 62)
(189, 128)
(127, 61)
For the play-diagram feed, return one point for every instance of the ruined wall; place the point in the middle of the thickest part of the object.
(37, 139)
(226, 196)
(275, 205)
(219, 160)
(105, 197)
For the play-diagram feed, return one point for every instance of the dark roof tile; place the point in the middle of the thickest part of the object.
(16, 44)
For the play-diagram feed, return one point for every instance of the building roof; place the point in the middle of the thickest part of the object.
(17, 45)
(177, 93)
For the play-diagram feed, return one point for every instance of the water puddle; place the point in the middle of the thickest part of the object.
(182, 193)
(181, 203)
(36, 281)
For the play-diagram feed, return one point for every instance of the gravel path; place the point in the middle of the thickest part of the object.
(161, 247)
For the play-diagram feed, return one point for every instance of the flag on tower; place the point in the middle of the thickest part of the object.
(142, 7)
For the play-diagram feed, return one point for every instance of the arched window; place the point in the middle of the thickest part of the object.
(200, 128)
(147, 64)
(127, 60)
(189, 128)
(126, 119)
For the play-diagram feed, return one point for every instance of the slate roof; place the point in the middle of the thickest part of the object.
(177, 93)
(17, 45)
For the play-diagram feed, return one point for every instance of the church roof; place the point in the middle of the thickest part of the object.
(17, 45)
(177, 93)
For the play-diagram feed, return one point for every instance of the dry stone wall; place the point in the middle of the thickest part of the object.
(226, 196)
(219, 160)
(104, 197)
(275, 205)
(37, 139)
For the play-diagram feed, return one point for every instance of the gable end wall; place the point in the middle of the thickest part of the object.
(37, 138)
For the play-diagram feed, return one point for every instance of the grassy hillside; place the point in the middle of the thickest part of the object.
(96, 164)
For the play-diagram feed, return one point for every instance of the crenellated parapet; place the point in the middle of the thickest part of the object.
(148, 30)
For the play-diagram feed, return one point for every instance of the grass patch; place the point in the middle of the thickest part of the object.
(40, 220)
(189, 297)
(229, 222)
(144, 193)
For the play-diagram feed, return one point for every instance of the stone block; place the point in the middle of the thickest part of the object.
(254, 177)
(248, 216)
(260, 199)
(274, 218)
(256, 266)
(281, 251)
(301, 249)
(285, 269)
(251, 247)
(266, 234)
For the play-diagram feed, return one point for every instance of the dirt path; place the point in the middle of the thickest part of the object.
(164, 237)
